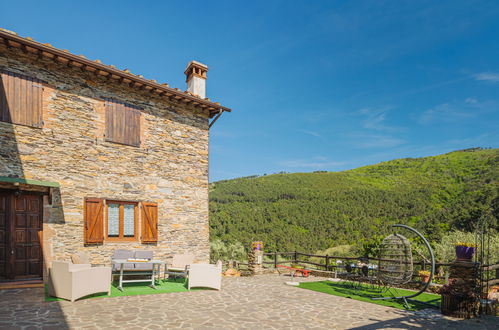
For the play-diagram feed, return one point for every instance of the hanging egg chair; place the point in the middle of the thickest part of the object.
(395, 265)
(395, 260)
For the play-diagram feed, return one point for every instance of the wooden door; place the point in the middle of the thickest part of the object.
(23, 235)
(3, 235)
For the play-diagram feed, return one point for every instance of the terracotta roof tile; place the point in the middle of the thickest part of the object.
(139, 79)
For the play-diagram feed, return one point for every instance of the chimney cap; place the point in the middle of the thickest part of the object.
(195, 64)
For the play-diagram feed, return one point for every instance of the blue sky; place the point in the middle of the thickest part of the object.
(314, 85)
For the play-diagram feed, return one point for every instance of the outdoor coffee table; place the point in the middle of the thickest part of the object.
(156, 267)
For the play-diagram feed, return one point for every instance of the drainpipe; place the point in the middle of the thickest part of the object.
(216, 118)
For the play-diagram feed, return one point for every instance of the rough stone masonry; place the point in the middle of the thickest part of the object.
(170, 167)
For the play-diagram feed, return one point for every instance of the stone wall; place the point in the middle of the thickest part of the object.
(170, 167)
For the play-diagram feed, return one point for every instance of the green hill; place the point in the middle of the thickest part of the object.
(315, 211)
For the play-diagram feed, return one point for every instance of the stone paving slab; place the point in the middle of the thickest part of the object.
(243, 303)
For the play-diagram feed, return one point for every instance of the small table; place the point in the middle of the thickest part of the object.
(156, 267)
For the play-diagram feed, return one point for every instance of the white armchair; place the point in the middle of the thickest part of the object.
(72, 281)
(205, 275)
(179, 265)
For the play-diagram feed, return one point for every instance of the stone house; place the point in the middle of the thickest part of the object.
(93, 159)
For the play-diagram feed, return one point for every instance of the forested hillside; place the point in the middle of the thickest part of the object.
(315, 211)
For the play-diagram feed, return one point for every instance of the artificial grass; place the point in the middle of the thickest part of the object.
(136, 289)
(365, 293)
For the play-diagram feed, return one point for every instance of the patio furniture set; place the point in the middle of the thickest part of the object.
(79, 278)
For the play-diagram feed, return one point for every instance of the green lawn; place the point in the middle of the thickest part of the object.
(364, 293)
(135, 289)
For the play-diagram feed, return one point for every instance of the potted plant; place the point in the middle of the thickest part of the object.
(465, 251)
(424, 275)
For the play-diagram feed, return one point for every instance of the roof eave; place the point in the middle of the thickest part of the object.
(12, 40)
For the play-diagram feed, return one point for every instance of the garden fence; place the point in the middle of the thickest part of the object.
(328, 263)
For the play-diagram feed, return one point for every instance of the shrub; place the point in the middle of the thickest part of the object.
(445, 248)
(220, 250)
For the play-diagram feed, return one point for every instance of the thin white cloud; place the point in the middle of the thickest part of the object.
(471, 100)
(427, 88)
(312, 133)
(375, 119)
(457, 110)
(442, 112)
(487, 76)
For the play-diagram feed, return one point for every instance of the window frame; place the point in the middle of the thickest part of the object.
(121, 237)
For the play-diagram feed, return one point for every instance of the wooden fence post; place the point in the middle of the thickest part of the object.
(296, 257)
(327, 262)
(275, 259)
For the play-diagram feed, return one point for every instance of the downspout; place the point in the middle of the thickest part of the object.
(216, 118)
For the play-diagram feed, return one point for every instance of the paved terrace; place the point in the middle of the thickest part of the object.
(244, 303)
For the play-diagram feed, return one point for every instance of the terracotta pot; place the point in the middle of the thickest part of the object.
(424, 278)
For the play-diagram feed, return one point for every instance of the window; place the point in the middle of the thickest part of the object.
(122, 220)
(115, 221)
(122, 123)
(20, 99)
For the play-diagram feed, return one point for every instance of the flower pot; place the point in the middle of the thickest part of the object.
(424, 278)
(465, 252)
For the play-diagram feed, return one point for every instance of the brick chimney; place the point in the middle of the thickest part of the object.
(196, 78)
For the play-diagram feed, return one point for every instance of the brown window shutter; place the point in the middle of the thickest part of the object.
(122, 123)
(132, 127)
(20, 99)
(94, 221)
(149, 222)
(110, 110)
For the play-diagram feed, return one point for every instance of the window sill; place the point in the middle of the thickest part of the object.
(121, 240)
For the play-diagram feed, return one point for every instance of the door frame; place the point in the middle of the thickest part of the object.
(9, 230)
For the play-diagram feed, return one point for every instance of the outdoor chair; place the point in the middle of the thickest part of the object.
(135, 269)
(205, 275)
(179, 266)
(351, 276)
(143, 255)
(72, 281)
(371, 280)
(82, 258)
(123, 255)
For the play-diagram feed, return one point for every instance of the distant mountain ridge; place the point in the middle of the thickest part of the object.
(315, 211)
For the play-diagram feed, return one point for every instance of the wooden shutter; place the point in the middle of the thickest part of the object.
(149, 222)
(20, 99)
(122, 123)
(94, 221)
